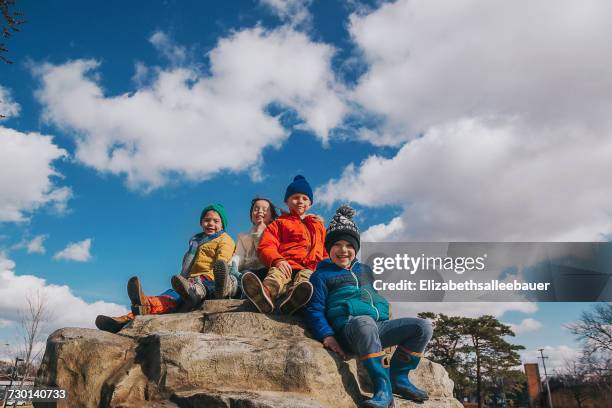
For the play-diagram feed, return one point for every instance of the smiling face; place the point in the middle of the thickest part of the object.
(261, 212)
(342, 254)
(298, 204)
(211, 223)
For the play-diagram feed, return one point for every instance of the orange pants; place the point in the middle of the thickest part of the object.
(159, 305)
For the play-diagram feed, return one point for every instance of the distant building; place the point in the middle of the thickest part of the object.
(534, 385)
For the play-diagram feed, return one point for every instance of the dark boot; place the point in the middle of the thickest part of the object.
(140, 303)
(379, 374)
(296, 298)
(402, 363)
(112, 324)
(257, 293)
(225, 283)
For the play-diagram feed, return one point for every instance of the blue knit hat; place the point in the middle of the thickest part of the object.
(299, 186)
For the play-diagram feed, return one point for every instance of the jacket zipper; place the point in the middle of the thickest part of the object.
(369, 294)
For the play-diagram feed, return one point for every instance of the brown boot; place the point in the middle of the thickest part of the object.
(257, 293)
(112, 324)
(140, 303)
(299, 296)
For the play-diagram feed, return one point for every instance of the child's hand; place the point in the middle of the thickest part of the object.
(260, 226)
(285, 268)
(331, 343)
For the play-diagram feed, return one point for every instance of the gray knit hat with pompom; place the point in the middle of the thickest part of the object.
(342, 227)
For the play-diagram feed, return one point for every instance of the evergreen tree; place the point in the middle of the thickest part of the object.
(475, 348)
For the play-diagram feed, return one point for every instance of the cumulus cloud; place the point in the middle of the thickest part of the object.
(431, 63)
(28, 179)
(66, 308)
(75, 251)
(294, 12)
(502, 129)
(36, 245)
(527, 325)
(193, 125)
(487, 180)
(175, 53)
(8, 107)
(379, 232)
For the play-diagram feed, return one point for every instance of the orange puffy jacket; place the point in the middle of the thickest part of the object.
(297, 241)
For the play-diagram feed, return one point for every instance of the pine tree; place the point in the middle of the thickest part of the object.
(475, 347)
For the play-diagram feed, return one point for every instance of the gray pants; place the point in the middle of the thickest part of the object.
(363, 335)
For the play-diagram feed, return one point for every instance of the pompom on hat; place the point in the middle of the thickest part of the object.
(342, 226)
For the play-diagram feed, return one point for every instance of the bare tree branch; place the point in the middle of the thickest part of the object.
(594, 329)
(11, 21)
(33, 318)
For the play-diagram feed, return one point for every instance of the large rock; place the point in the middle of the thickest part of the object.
(224, 355)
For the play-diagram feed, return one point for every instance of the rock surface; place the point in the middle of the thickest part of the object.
(224, 355)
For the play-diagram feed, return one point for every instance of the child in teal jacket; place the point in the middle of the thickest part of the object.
(346, 312)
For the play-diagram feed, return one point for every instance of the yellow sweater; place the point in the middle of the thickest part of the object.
(221, 248)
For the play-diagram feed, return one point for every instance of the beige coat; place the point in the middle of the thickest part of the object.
(246, 251)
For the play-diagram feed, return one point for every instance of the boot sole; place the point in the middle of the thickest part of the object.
(298, 298)
(369, 405)
(220, 273)
(108, 324)
(410, 397)
(254, 291)
(135, 293)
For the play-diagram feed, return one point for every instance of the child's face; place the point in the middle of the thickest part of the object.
(342, 253)
(211, 223)
(261, 212)
(298, 204)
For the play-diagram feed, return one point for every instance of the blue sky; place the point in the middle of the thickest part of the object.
(437, 122)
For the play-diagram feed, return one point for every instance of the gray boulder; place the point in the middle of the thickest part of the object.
(223, 355)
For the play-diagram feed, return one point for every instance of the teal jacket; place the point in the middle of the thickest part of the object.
(340, 293)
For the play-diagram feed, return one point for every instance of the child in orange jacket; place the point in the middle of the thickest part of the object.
(291, 247)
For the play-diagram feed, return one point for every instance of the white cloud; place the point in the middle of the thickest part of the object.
(557, 357)
(294, 12)
(487, 180)
(36, 245)
(141, 72)
(465, 309)
(527, 325)
(8, 107)
(195, 125)
(66, 308)
(503, 128)
(383, 232)
(175, 53)
(27, 177)
(431, 63)
(75, 251)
